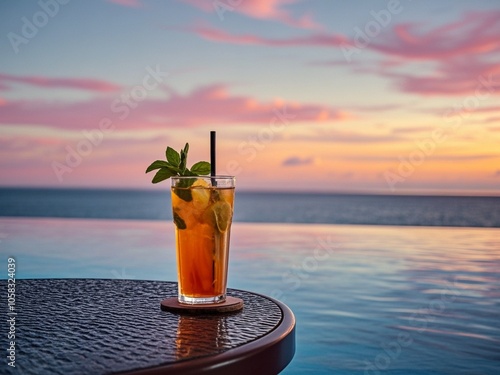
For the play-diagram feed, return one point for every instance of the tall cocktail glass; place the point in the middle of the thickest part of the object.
(202, 211)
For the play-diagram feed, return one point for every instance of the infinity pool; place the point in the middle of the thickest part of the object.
(367, 299)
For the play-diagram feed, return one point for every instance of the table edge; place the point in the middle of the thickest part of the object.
(269, 354)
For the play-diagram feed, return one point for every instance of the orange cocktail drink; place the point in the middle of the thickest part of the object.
(202, 212)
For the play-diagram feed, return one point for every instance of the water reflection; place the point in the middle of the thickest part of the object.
(438, 286)
(199, 336)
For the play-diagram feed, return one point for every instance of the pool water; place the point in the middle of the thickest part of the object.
(367, 299)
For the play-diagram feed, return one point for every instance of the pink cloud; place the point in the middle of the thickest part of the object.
(461, 110)
(27, 160)
(457, 77)
(488, 109)
(26, 152)
(345, 136)
(461, 56)
(71, 83)
(273, 10)
(493, 119)
(319, 39)
(475, 33)
(459, 52)
(214, 104)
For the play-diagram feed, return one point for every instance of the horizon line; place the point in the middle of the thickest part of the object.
(424, 193)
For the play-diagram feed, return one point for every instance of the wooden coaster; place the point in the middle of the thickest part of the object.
(231, 304)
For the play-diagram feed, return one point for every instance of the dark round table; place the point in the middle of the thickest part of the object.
(90, 326)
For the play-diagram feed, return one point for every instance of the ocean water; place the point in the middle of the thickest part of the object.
(259, 207)
(378, 284)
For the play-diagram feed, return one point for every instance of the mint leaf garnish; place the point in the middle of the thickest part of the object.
(157, 165)
(176, 165)
(181, 224)
(173, 157)
(201, 168)
(162, 174)
(183, 161)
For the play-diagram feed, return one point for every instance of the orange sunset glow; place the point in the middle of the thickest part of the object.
(385, 97)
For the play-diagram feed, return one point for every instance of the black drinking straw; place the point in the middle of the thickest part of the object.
(212, 157)
(212, 153)
(214, 184)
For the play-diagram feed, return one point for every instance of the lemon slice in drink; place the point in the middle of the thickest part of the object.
(220, 213)
(200, 194)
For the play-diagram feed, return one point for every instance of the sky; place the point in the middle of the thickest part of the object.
(384, 97)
